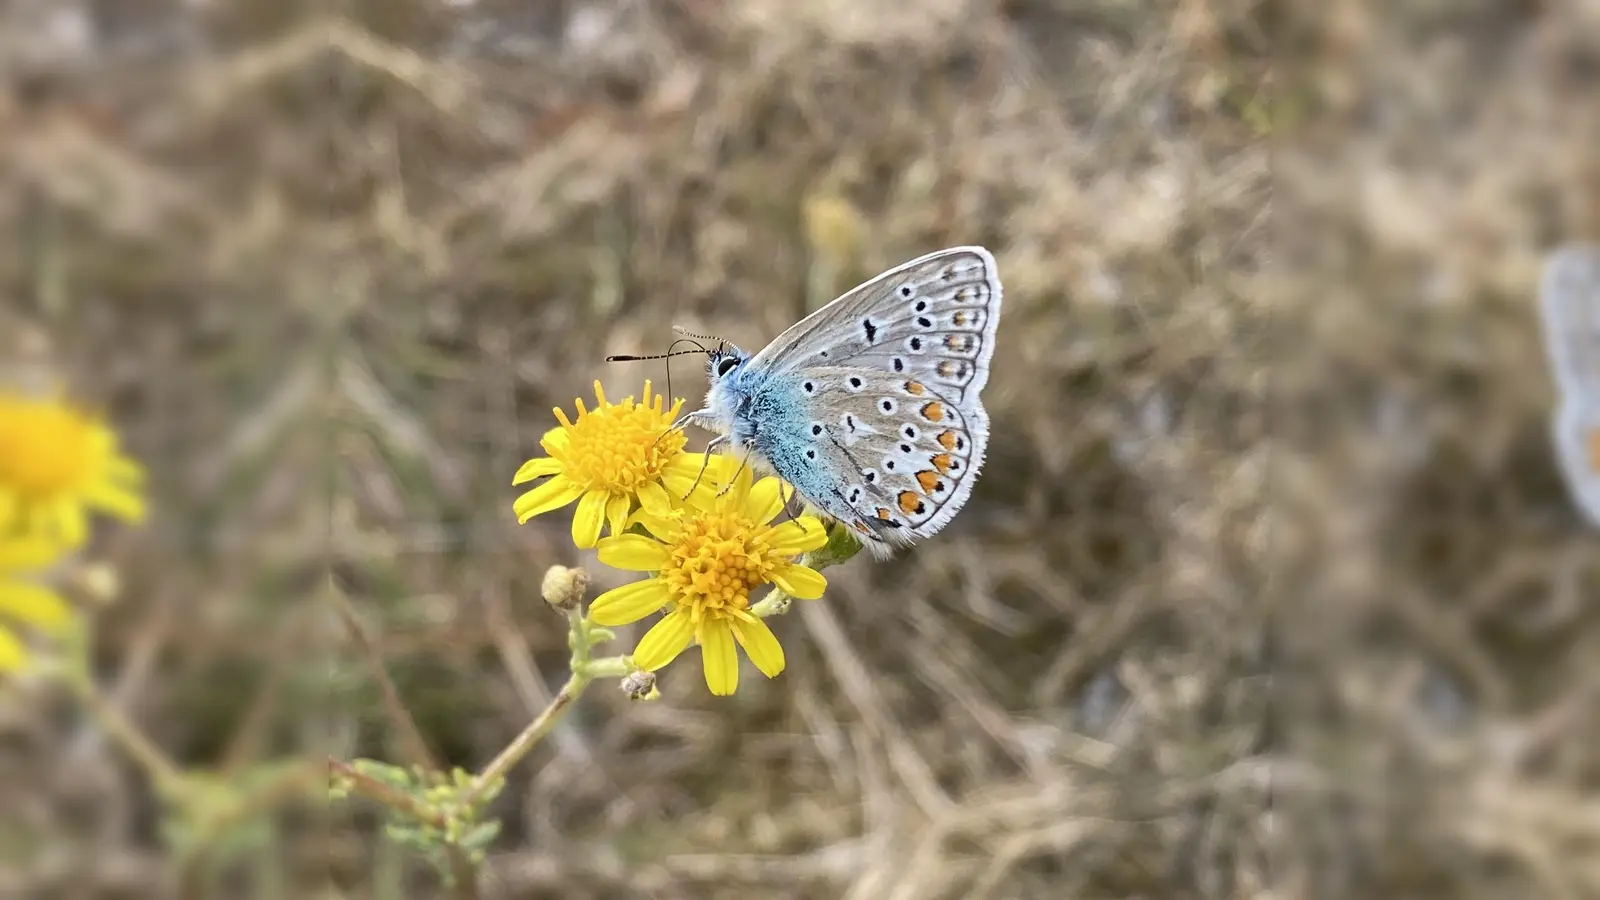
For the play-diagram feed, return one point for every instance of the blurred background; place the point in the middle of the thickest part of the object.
(1271, 586)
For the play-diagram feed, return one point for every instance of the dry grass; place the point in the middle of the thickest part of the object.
(1269, 589)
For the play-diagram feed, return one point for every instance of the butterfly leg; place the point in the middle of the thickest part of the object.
(736, 472)
(693, 417)
(788, 502)
(711, 448)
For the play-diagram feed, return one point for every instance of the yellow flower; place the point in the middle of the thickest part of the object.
(705, 558)
(56, 464)
(24, 603)
(607, 458)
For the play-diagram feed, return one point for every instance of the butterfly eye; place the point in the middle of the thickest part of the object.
(726, 365)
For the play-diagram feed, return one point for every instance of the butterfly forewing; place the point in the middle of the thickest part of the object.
(933, 317)
(870, 406)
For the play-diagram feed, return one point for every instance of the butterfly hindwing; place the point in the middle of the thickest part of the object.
(1577, 439)
(900, 458)
(1569, 304)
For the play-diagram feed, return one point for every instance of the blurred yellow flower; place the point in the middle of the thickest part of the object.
(705, 558)
(610, 456)
(24, 603)
(56, 465)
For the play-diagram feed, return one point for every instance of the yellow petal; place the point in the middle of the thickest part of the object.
(799, 536)
(679, 475)
(28, 554)
(538, 467)
(125, 470)
(667, 527)
(617, 513)
(739, 495)
(33, 605)
(800, 582)
(664, 641)
(634, 553)
(765, 500)
(629, 603)
(587, 519)
(73, 524)
(556, 439)
(553, 494)
(760, 644)
(717, 655)
(118, 501)
(655, 498)
(12, 654)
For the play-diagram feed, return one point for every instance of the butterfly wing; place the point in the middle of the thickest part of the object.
(933, 318)
(870, 406)
(1569, 304)
(893, 457)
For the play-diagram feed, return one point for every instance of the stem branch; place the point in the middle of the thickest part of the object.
(373, 789)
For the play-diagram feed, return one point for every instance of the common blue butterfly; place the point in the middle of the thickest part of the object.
(1569, 302)
(870, 406)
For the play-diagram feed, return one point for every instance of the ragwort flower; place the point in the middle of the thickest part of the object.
(703, 560)
(57, 464)
(610, 456)
(24, 603)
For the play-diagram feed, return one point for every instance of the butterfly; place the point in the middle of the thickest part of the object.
(1569, 302)
(870, 407)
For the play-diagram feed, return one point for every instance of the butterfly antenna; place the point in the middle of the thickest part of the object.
(700, 337)
(671, 352)
(627, 358)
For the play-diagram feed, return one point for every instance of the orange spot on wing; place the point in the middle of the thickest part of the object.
(941, 461)
(947, 439)
(933, 411)
(927, 478)
(960, 318)
(909, 501)
(914, 388)
(884, 514)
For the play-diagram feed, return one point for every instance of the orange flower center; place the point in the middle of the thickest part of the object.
(45, 449)
(717, 560)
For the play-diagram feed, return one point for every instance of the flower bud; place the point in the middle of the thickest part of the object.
(564, 588)
(99, 583)
(640, 686)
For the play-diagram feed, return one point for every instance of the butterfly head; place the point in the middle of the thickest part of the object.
(724, 362)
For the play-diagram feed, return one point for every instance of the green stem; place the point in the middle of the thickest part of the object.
(545, 722)
(775, 603)
(609, 667)
(267, 796)
(373, 789)
(463, 872)
(168, 780)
